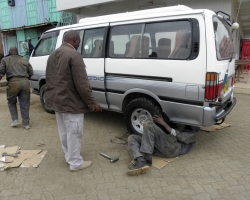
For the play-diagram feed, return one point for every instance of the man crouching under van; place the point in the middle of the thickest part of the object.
(154, 141)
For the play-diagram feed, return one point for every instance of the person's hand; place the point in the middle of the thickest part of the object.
(97, 108)
(159, 120)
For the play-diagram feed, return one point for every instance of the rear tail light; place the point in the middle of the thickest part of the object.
(232, 83)
(213, 87)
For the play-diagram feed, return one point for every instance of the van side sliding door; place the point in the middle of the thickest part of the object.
(93, 51)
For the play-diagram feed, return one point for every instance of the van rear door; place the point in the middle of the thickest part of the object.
(225, 63)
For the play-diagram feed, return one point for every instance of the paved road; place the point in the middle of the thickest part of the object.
(216, 168)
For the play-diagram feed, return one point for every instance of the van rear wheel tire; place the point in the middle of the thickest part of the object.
(137, 112)
(42, 100)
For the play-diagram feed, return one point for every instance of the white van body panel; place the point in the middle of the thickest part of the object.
(38, 63)
(95, 71)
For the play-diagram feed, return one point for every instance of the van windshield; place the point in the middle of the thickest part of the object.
(223, 39)
(46, 44)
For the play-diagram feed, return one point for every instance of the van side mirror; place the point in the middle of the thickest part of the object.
(235, 26)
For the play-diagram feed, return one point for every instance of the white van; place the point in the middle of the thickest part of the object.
(171, 59)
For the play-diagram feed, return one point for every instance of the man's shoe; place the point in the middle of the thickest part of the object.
(131, 165)
(140, 167)
(83, 166)
(14, 123)
(26, 127)
(138, 171)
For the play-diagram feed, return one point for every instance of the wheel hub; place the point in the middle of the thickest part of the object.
(142, 119)
(139, 117)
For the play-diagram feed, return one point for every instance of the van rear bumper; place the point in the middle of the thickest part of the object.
(211, 117)
(226, 110)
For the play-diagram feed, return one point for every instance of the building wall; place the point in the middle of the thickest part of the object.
(66, 4)
(27, 13)
(28, 18)
(133, 5)
(16, 38)
(20, 38)
(4, 15)
(9, 40)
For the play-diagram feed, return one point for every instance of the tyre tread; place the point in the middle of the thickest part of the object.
(41, 100)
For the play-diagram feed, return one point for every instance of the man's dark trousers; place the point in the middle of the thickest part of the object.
(19, 87)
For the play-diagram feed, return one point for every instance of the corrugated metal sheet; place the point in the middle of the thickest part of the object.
(4, 15)
(28, 13)
(43, 11)
(21, 18)
(54, 16)
(31, 12)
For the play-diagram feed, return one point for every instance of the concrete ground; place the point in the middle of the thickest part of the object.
(242, 84)
(218, 167)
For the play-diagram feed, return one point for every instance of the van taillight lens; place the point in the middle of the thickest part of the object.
(212, 88)
(232, 83)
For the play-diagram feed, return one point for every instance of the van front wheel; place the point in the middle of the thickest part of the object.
(42, 100)
(137, 112)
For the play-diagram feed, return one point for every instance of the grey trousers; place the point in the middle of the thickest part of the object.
(155, 141)
(70, 128)
(19, 88)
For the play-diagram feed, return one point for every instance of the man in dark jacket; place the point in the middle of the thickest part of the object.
(18, 71)
(69, 94)
(31, 47)
(154, 141)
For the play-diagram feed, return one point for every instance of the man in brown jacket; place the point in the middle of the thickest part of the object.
(69, 94)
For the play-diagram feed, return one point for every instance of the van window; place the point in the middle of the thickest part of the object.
(158, 40)
(119, 42)
(92, 46)
(46, 44)
(172, 40)
(223, 39)
(125, 41)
